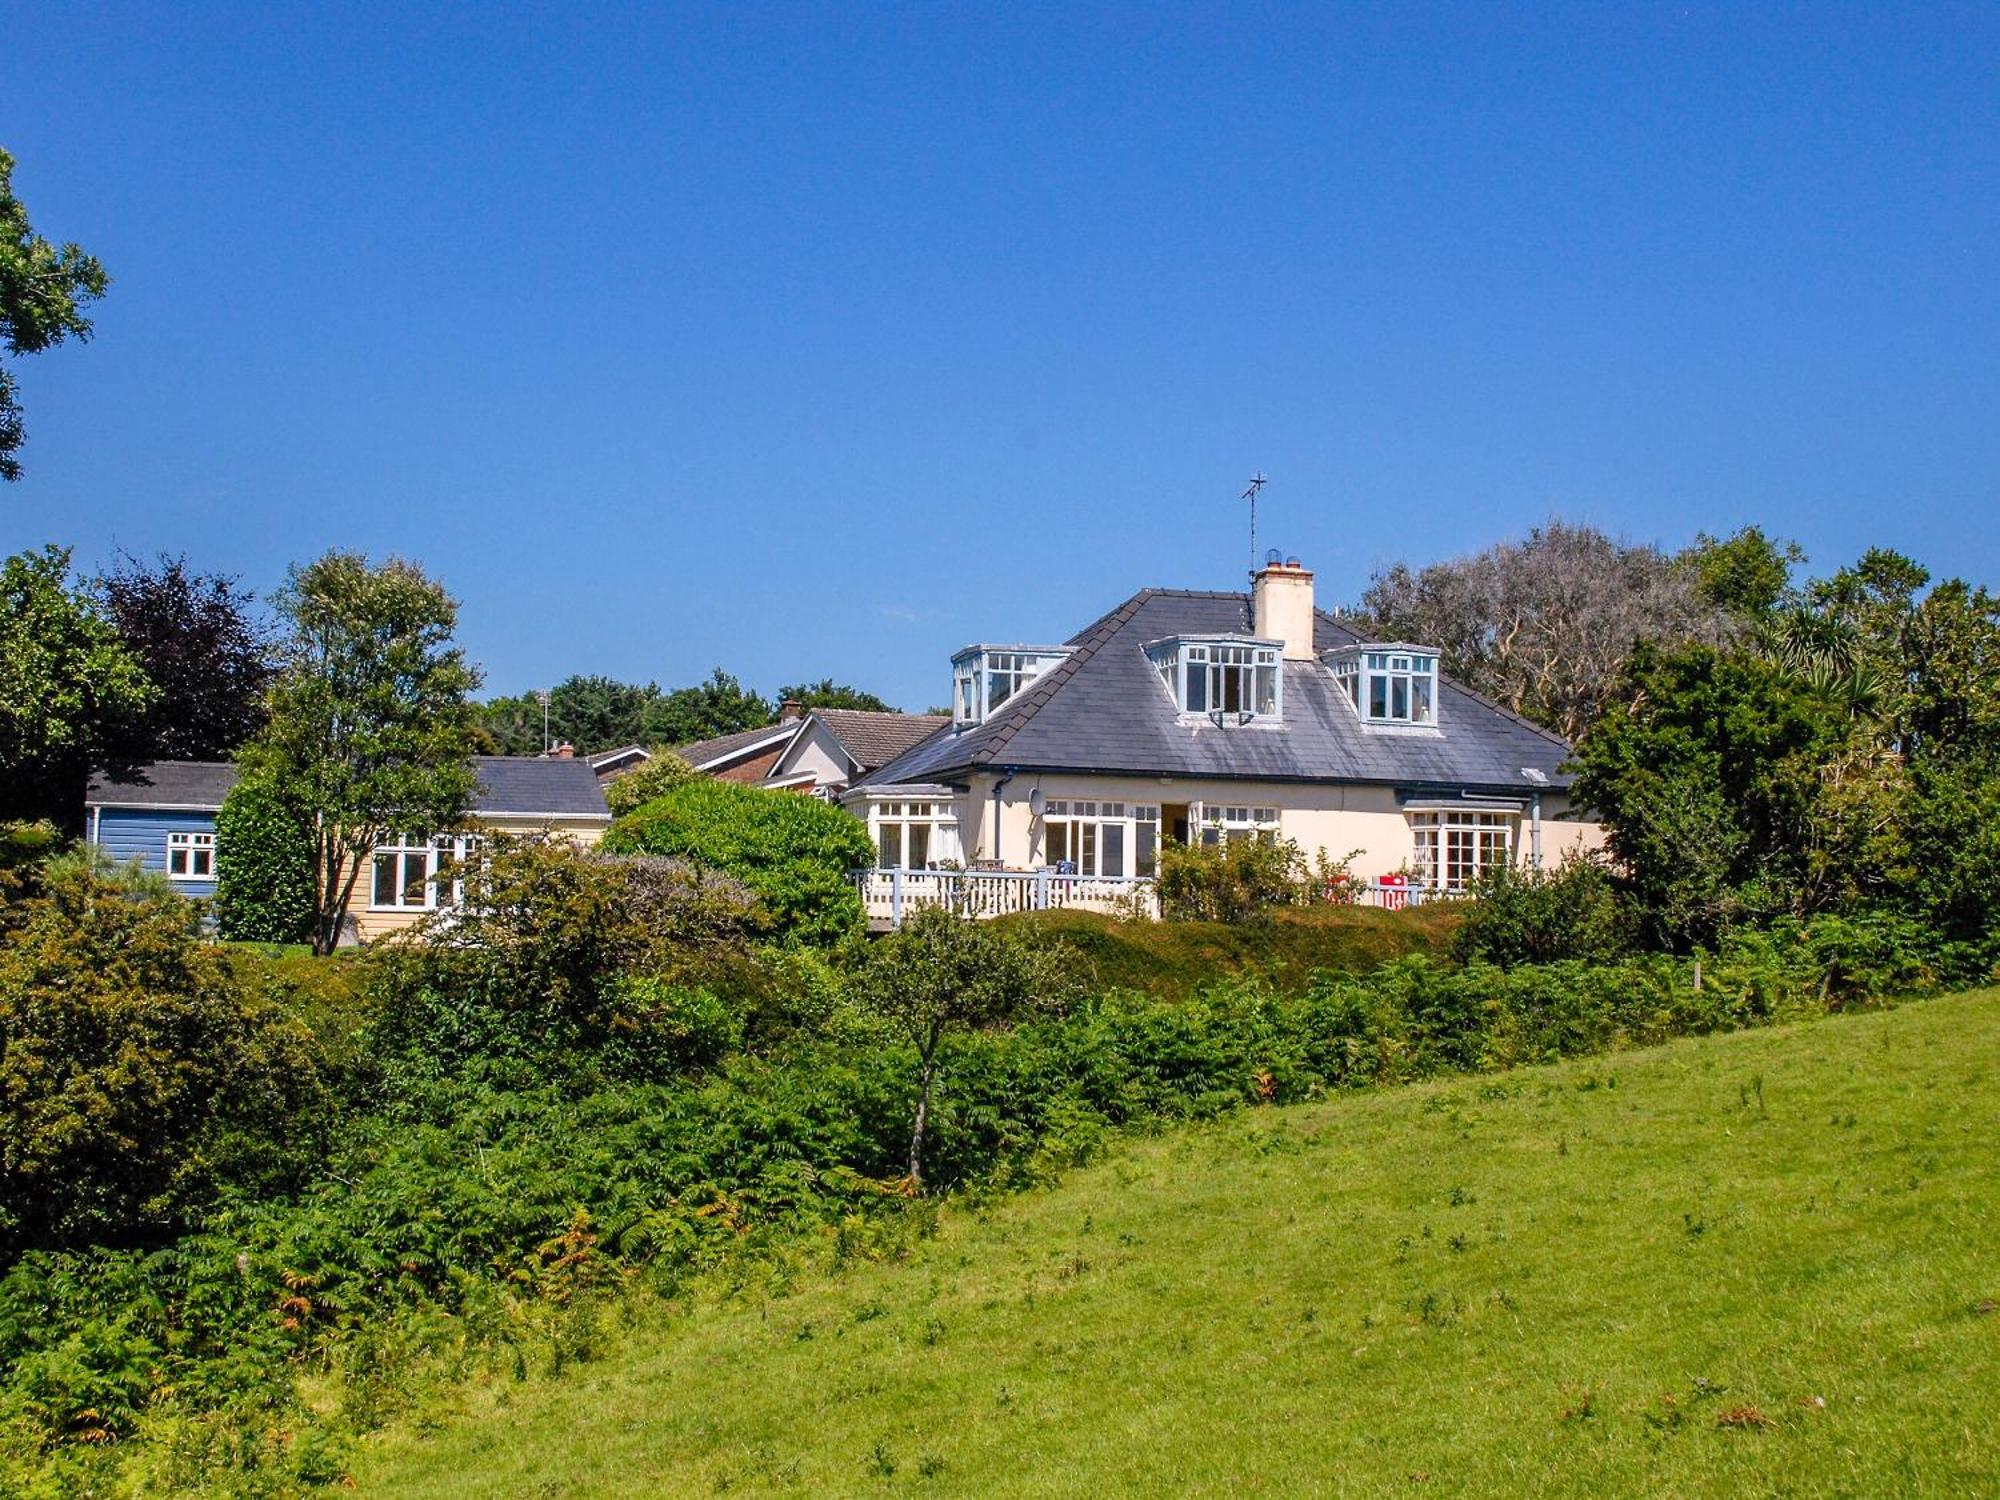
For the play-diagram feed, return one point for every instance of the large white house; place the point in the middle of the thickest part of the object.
(1208, 716)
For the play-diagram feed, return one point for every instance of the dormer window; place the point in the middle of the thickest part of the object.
(1230, 679)
(985, 677)
(1388, 684)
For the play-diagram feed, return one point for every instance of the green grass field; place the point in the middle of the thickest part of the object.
(1762, 1263)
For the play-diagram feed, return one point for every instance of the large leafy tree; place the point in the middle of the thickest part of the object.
(826, 693)
(1545, 625)
(1707, 769)
(70, 691)
(199, 639)
(43, 291)
(1845, 754)
(370, 729)
(601, 713)
(719, 705)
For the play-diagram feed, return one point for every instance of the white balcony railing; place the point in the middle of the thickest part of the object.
(887, 896)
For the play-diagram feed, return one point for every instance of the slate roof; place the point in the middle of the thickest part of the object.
(1104, 709)
(509, 786)
(199, 785)
(700, 752)
(529, 786)
(599, 759)
(875, 738)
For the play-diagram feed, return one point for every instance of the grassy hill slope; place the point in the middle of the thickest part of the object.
(1762, 1263)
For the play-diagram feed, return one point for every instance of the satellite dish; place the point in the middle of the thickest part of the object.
(1036, 802)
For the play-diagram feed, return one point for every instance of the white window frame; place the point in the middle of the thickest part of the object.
(420, 860)
(1402, 681)
(985, 678)
(890, 828)
(1103, 840)
(1454, 849)
(1219, 823)
(197, 853)
(1232, 681)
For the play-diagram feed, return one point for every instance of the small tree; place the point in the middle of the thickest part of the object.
(263, 864)
(940, 973)
(369, 724)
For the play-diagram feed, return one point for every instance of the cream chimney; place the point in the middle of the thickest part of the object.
(1282, 607)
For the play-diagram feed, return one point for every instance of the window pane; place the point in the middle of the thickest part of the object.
(416, 871)
(384, 893)
(1197, 688)
(920, 845)
(1420, 689)
(1378, 697)
(889, 839)
(1146, 850)
(1112, 855)
(177, 860)
(1399, 697)
(1086, 849)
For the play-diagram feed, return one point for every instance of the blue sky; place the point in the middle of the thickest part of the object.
(821, 340)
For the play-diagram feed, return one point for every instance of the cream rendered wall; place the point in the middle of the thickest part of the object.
(819, 753)
(371, 924)
(1333, 818)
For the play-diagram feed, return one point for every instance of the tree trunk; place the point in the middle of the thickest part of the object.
(917, 1132)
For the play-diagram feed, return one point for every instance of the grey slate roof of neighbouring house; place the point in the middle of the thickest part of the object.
(199, 785)
(529, 786)
(700, 753)
(516, 786)
(1104, 709)
(875, 738)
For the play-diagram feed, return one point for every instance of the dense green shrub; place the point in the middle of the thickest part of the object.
(1285, 949)
(263, 865)
(557, 952)
(136, 1079)
(659, 775)
(794, 852)
(1229, 881)
(1526, 916)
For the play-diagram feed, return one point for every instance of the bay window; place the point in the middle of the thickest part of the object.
(1454, 849)
(986, 677)
(1393, 685)
(1233, 679)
